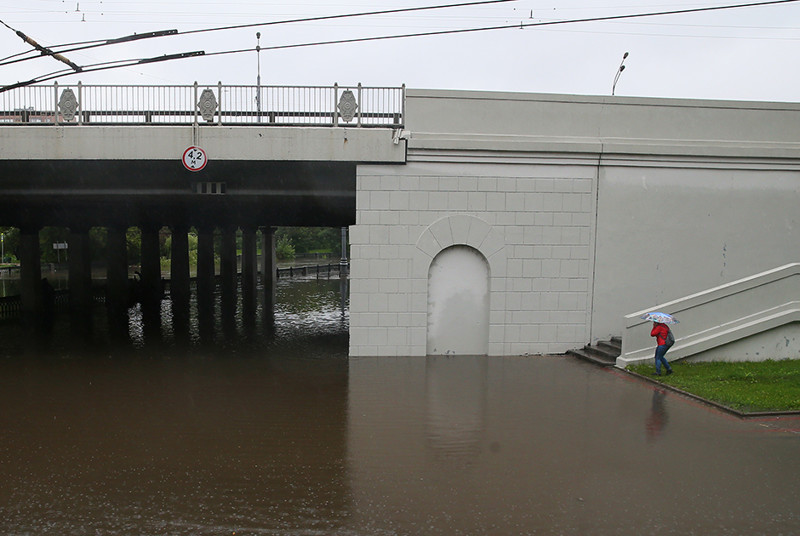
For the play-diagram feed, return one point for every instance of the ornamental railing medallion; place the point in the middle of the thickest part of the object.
(347, 106)
(207, 105)
(68, 104)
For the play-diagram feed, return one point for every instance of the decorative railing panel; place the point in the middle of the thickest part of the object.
(219, 104)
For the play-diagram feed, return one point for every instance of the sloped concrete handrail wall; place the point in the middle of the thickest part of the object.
(718, 316)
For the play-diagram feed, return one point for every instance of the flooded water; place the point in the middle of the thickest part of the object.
(284, 435)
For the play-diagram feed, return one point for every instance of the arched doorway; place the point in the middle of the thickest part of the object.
(458, 303)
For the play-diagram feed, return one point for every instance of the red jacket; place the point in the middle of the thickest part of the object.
(660, 331)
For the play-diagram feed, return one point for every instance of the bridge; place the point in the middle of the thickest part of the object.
(480, 222)
(109, 156)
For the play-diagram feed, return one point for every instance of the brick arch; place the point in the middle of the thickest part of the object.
(461, 229)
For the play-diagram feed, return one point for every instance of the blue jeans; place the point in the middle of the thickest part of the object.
(660, 352)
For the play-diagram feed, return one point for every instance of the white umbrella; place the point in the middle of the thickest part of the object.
(661, 318)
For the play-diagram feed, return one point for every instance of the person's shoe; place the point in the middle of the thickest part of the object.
(669, 372)
(658, 374)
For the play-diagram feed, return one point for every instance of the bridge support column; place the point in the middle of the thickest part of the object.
(249, 274)
(80, 280)
(117, 287)
(30, 276)
(179, 281)
(205, 282)
(268, 267)
(228, 275)
(151, 282)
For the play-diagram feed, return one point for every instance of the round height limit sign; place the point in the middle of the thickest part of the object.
(194, 159)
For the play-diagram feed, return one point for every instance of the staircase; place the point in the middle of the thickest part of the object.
(604, 353)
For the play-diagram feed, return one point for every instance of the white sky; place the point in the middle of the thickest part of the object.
(741, 54)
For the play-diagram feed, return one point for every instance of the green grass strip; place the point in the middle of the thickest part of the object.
(746, 386)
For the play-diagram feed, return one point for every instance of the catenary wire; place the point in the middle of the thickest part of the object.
(131, 62)
(521, 25)
(64, 48)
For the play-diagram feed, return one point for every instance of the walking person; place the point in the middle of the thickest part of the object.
(663, 340)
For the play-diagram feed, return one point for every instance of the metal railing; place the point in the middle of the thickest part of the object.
(218, 104)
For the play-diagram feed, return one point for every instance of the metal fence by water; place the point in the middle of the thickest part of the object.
(352, 106)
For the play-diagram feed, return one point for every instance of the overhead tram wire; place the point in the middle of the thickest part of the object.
(105, 66)
(128, 63)
(96, 43)
(521, 25)
(43, 50)
(85, 45)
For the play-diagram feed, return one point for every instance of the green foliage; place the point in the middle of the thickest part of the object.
(164, 242)
(10, 244)
(133, 238)
(49, 236)
(311, 239)
(745, 386)
(284, 249)
(98, 239)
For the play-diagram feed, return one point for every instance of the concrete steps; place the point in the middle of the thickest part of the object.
(604, 353)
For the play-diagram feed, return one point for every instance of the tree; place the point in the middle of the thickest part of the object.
(311, 239)
(284, 249)
(133, 238)
(10, 243)
(49, 236)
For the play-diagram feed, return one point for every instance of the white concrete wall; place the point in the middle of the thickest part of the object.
(597, 207)
(779, 343)
(666, 230)
(533, 223)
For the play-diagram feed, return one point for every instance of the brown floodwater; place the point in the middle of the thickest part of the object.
(284, 435)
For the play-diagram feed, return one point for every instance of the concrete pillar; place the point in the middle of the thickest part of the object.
(249, 273)
(151, 282)
(179, 281)
(80, 280)
(117, 284)
(30, 276)
(206, 282)
(269, 264)
(228, 278)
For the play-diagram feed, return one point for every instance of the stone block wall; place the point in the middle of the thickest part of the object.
(533, 222)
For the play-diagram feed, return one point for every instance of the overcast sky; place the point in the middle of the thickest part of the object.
(739, 54)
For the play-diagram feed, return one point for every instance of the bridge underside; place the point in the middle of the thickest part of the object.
(226, 196)
(122, 193)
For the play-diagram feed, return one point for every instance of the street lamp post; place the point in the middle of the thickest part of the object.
(619, 72)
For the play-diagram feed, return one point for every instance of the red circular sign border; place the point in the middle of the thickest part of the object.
(205, 158)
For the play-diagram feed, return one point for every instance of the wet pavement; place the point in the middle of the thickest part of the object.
(283, 434)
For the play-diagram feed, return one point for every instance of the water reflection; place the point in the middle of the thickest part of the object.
(300, 308)
(456, 393)
(658, 417)
(207, 447)
(547, 445)
(278, 432)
